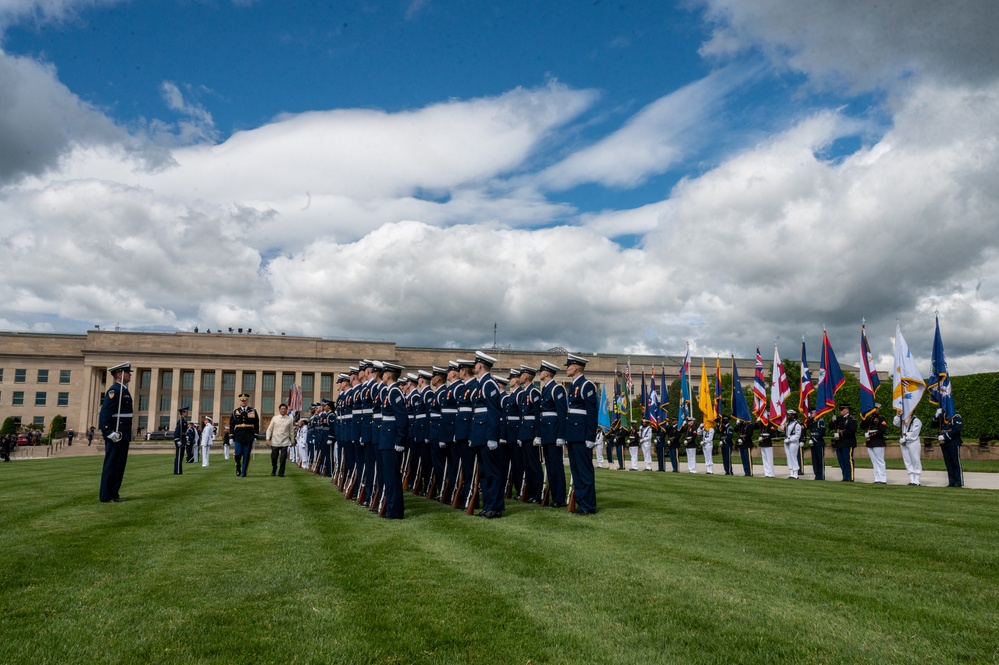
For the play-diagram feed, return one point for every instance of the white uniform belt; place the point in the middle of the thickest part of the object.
(513, 417)
(464, 408)
(481, 409)
(528, 417)
(122, 415)
(449, 410)
(549, 413)
(364, 411)
(377, 416)
(389, 419)
(435, 415)
(421, 415)
(581, 412)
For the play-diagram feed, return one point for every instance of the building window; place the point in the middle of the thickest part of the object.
(228, 403)
(17, 422)
(39, 422)
(164, 423)
(267, 405)
(145, 378)
(249, 381)
(1, 374)
(287, 382)
(63, 399)
(208, 380)
(143, 423)
(20, 375)
(43, 376)
(17, 399)
(207, 404)
(270, 380)
(64, 375)
(187, 380)
(40, 398)
(165, 403)
(166, 379)
(229, 381)
(308, 383)
(143, 402)
(326, 383)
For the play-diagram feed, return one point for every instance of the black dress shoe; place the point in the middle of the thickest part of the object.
(495, 514)
(488, 514)
(117, 499)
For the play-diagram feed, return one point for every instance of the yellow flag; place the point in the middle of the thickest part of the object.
(705, 399)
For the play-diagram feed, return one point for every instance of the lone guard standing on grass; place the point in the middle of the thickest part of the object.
(179, 440)
(581, 434)
(116, 426)
(244, 423)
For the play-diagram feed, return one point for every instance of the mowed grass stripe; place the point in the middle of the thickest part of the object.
(207, 567)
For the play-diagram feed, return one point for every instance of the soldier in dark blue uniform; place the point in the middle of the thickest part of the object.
(324, 437)
(727, 439)
(845, 440)
(244, 423)
(424, 461)
(449, 419)
(353, 470)
(817, 442)
(180, 440)
(529, 401)
(581, 434)
(115, 423)
(435, 393)
(465, 395)
(367, 451)
(511, 421)
(484, 436)
(554, 413)
(674, 435)
(950, 446)
(394, 423)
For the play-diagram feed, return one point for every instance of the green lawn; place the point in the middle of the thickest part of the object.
(675, 568)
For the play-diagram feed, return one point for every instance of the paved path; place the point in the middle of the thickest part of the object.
(988, 481)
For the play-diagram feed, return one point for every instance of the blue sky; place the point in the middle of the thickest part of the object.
(592, 175)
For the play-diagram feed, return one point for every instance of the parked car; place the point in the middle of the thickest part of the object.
(24, 439)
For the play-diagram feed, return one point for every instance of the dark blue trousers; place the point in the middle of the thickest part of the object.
(581, 468)
(115, 458)
(952, 460)
(243, 451)
(392, 479)
(674, 461)
(745, 453)
(555, 466)
(489, 478)
(534, 474)
(819, 461)
(726, 450)
(845, 458)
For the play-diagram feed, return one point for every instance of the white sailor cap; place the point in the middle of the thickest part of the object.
(424, 374)
(466, 363)
(453, 365)
(502, 381)
(354, 370)
(526, 369)
(378, 364)
(514, 372)
(440, 370)
(549, 367)
(365, 364)
(571, 359)
(390, 367)
(120, 367)
(412, 377)
(342, 377)
(403, 380)
(488, 361)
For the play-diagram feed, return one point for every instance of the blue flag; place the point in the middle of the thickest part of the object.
(684, 413)
(740, 409)
(830, 379)
(603, 415)
(938, 384)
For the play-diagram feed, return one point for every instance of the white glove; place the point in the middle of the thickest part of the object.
(442, 444)
(115, 437)
(896, 421)
(867, 434)
(902, 440)
(937, 414)
(503, 441)
(400, 449)
(492, 445)
(590, 444)
(560, 442)
(940, 438)
(836, 435)
(537, 440)
(740, 440)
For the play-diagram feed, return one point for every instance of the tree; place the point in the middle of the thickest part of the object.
(9, 427)
(57, 427)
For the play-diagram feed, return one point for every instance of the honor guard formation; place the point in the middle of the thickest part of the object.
(459, 435)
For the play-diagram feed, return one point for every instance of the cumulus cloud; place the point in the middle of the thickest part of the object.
(863, 44)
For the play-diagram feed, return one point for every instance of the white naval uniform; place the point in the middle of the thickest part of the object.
(207, 435)
(910, 449)
(792, 442)
(708, 446)
(646, 437)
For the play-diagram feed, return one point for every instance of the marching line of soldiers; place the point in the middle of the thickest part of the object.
(458, 435)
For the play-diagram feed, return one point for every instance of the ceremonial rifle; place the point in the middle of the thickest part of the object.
(473, 490)
(457, 488)
(405, 469)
